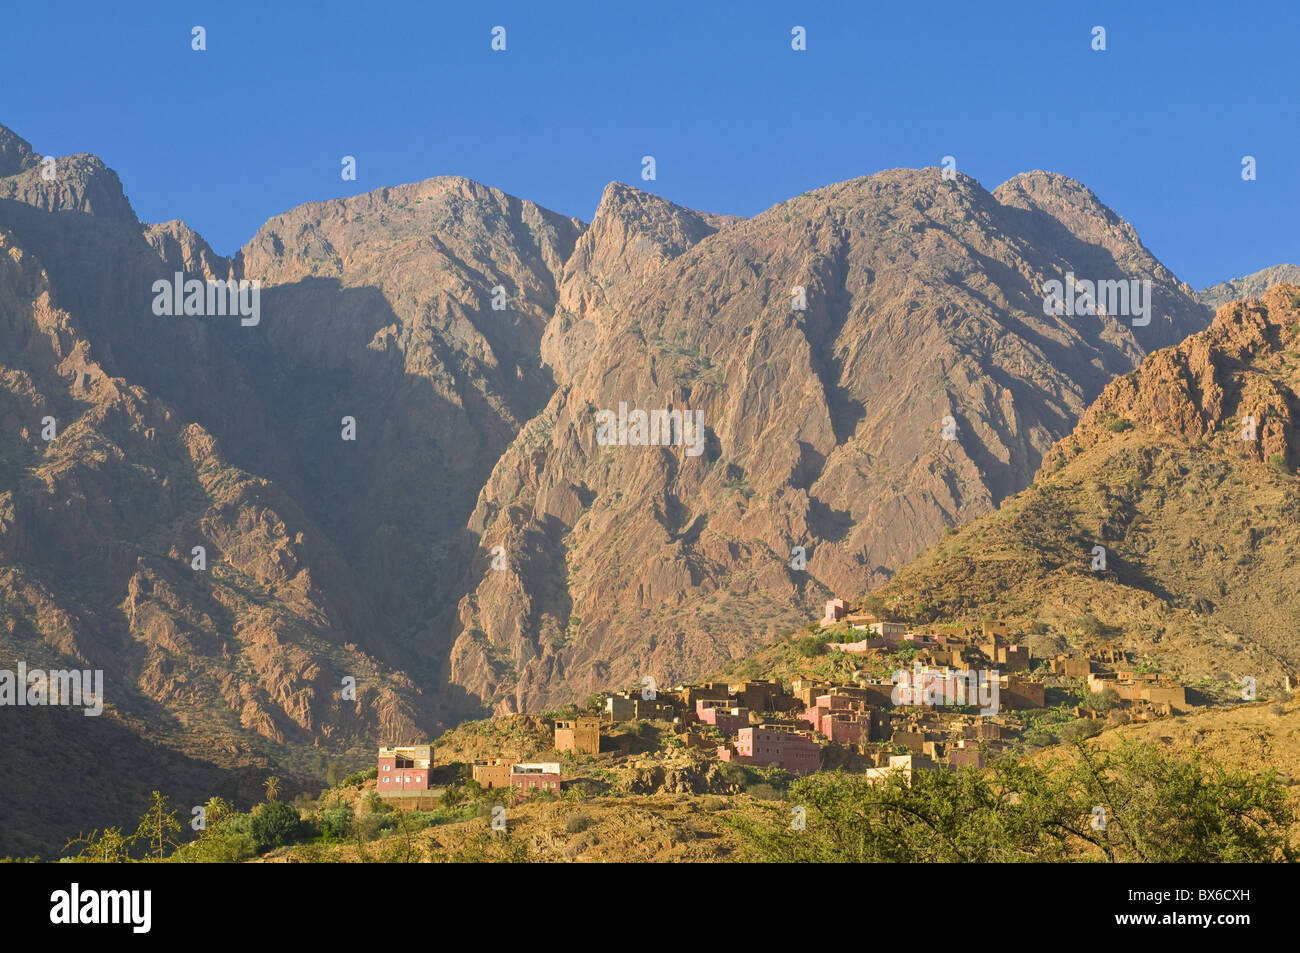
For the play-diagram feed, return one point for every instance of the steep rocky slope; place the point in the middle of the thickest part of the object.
(471, 337)
(105, 489)
(1251, 286)
(924, 300)
(1200, 527)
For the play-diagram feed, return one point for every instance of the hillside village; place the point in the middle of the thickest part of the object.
(956, 696)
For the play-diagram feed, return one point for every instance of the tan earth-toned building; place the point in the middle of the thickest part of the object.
(581, 736)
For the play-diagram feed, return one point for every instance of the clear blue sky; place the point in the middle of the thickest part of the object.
(1157, 125)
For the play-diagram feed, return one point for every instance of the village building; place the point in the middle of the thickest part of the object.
(404, 769)
(630, 706)
(580, 736)
(725, 715)
(835, 611)
(902, 764)
(492, 773)
(539, 776)
(1071, 666)
(1015, 691)
(760, 696)
(772, 746)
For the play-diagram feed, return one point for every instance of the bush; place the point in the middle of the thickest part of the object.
(1119, 426)
(810, 646)
(359, 778)
(336, 823)
(370, 826)
(1279, 463)
(275, 824)
(1159, 809)
(1078, 730)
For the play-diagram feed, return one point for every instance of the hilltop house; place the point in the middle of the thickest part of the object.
(404, 768)
(581, 736)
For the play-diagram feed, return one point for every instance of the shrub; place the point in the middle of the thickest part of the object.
(1119, 426)
(359, 778)
(275, 824)
(336, 823)
(809, 646)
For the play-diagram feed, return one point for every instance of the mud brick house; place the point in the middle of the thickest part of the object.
(1017, 692)
(982, 731)
(806, 690)
(1008, 658)
(770, 746)
(404, 768)
(965, 756)
(875, 692)
(630, 706)
(492, 773)
(1134, 687)
(538, 776)
(581, 735)
(709, 691)
(1071, 666)
(760, 696)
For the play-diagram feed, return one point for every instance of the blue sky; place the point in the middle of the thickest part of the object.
(1156, 125)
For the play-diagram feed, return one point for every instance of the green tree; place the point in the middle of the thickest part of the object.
(1156, 808)
(275, 824)
(159, 826)
(272, 785)
(111, 847)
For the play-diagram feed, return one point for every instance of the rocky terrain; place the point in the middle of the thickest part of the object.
(824, 426)
(470, 337)
(1184, 473)
(1251, 286)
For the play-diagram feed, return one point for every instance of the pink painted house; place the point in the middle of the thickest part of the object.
(773, 747)
(726, 717)
(404, 768)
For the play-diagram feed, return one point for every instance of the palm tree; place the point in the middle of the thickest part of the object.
(272, 785)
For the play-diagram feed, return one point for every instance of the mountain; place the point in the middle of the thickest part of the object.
(1251, 286)
(466, 339)
(824, 426)
(1201, 528)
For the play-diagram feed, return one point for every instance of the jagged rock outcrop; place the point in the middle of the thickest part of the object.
(824, 426)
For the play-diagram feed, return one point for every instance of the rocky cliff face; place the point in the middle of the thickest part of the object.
(467, 339)
(105, 490)
(1183, 473)
(824, 426)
